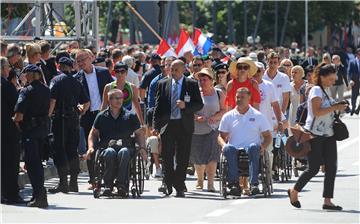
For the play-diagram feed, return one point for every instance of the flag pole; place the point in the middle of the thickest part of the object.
(143, 20)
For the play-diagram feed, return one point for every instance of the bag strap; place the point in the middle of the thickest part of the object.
(327, 96)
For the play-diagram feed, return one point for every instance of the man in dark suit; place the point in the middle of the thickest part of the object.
(354, 77)
(177, 99)
(94, 79)
(310, 59)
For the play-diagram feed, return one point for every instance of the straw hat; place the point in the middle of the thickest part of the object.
(243, 60)
(205, 71)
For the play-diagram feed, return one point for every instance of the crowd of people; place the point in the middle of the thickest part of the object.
(189, 109)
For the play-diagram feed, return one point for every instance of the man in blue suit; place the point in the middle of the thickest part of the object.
(94, 79)
(354, 77)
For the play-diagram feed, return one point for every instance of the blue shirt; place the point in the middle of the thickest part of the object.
(152, 90)
(180, 82)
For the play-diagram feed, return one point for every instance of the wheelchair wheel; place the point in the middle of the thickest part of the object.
(139, 175)
(223, 176)
(98, 174)
(288, 166)
(263, 174)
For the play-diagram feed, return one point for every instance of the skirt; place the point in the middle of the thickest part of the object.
(205, 148)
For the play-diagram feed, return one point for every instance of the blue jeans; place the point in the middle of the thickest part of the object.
(117, 165)
(231, 155)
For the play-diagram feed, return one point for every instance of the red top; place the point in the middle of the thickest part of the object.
(230, 95)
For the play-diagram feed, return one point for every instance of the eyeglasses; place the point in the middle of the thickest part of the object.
(242, 67)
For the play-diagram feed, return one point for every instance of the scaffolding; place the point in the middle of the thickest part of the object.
(86, 14)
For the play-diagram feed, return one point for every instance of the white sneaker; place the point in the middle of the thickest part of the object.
(158, 172)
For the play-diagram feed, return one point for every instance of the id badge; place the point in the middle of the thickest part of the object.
(187, 98)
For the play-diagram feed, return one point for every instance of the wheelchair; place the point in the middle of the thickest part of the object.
(243, 166)
(283, 162)
(136, 174)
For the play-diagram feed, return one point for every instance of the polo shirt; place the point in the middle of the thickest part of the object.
(281, 83)
(244, 129)
(114, 129)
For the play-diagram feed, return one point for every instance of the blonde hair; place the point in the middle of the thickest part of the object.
(32, 49)
(299, 69)
(286, 60)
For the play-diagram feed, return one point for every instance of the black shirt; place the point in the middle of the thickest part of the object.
(33, 102)
(9, 96)
(114, 129)
(68, 90)
(149, 76)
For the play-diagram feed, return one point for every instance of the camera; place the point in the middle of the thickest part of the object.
(347, 109)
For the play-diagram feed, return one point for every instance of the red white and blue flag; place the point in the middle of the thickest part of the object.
(202, 43)
(165, 50)
(185, 44)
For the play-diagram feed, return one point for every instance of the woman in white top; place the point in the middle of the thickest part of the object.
(297, 74)
(319, 122)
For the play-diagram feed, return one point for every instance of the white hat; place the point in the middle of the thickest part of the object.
(128, 60)
(253, 56)
(259, 65)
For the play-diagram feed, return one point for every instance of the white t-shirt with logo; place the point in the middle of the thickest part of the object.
(281, 83)
(95, 97)
(244, 129)
(268, 96)
(323, 124)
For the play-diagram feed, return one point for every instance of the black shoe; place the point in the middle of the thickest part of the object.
(122, 191)
(235, 190)
(352, 112)
(296, 204)
(180, 194)
(167, 190)
(60, 188)
(15, 200)
(73, 188)
(254, 190)
(332, 207)
(357, 111)
(107, 192)
(40, 201)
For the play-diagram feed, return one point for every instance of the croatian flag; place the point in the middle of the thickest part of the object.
(202, 43)
(185, 44)
(165, 50)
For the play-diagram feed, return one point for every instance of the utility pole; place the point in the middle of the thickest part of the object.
(306, 26)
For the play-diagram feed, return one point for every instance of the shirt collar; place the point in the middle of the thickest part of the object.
(180, 81)
(93, 71)
(248, 112)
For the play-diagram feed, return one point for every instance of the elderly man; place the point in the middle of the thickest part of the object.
(132, 76)
(177, 99)
(116, 123)
(243, 127)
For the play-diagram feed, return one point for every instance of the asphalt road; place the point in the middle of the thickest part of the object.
(203, 207)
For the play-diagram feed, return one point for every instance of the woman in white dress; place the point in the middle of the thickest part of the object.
(297, 74)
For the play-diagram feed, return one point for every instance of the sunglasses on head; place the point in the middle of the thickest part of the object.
(242, 67)
(122, 71)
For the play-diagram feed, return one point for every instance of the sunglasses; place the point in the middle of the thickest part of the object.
(287, 65)
(221, 72)
(120, 71)
(242, 67)
(116, 98)
(197, 65)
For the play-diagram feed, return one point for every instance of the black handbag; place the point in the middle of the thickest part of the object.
(340, 130)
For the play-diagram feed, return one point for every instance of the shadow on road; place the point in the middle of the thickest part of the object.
(324, 211)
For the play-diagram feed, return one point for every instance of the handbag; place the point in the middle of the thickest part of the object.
(340, 130)
(298, 144)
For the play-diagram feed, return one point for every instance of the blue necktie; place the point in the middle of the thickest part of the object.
(174, 97)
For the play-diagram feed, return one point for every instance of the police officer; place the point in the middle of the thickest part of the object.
(31, 116)
(68, 100)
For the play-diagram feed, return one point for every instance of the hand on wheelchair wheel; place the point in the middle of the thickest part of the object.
(143, 154)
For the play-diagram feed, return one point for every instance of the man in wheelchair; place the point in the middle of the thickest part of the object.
(243, 128)
(111, 133)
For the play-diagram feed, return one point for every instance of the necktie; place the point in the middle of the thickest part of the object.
(174, 98)
(310, 61)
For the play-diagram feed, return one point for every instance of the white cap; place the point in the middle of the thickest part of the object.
(259, 65)
(253, 56)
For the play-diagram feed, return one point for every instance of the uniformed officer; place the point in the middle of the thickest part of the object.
(31, 116)
(68, 100)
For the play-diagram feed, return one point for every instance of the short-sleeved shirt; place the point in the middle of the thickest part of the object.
(231, 94)
(152, 90)
(281, 83)
(149, 76)
(68, 90)
(323, 124)
(244, 129)
(268, 96)
(114, 129)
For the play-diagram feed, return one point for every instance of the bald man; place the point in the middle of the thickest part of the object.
(177, 99)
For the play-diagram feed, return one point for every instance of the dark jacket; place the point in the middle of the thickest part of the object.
(354, 72)
(49, 69)
(162, 110)
(341, 76)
